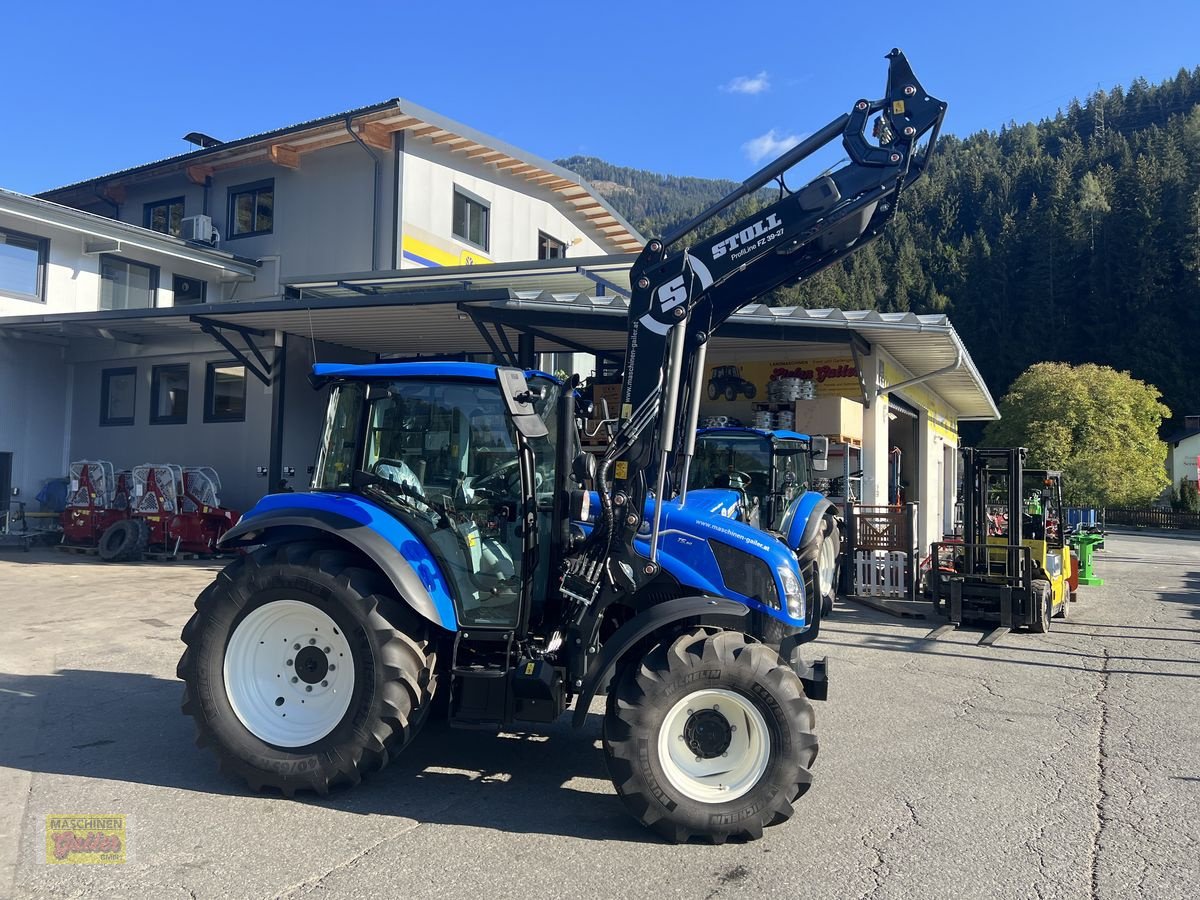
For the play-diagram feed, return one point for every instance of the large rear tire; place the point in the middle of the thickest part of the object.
(709, 737)
(305, 630)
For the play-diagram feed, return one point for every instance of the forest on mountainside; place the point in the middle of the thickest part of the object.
(1076, 239)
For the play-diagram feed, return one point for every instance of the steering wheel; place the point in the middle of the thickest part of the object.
(740, 480)
(504, 475)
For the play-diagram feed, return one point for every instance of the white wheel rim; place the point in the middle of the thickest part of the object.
(826, 563)
(289, 673)
(695, 768)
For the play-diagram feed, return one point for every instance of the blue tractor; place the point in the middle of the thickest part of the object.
(458, 552)
(773, 470)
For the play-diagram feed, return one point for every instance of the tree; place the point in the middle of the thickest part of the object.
(1189, 499)
(1096, 425)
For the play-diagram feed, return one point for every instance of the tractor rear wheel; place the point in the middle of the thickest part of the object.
(302, 670)
(710, 736)
(124, 541)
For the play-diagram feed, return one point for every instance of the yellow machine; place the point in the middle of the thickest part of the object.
(1013, 565)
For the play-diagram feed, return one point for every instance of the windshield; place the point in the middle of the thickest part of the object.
(731, 460)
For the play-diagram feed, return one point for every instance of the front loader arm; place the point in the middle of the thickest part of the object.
(683, 292)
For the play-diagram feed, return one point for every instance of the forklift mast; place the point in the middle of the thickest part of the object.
(683, 291)
(977, 463)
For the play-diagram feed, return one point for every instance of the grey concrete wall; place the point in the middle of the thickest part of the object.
(33, 413)
(304, 415)
(323, 213)
(234, 449)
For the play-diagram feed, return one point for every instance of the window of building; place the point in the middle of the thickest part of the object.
(165, 216)
(225, 393)
(550, 248)
(252, 209)
(470, 219)
(23, 265)
(118, 391)
(125, 284)
(169, 395)
(188, 291)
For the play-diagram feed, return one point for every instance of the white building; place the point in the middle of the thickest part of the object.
(1183, 452)
(384, 188)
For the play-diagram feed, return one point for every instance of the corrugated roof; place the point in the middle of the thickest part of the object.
(439, 319)
(375, 125)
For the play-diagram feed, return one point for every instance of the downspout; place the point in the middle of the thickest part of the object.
(374, 194)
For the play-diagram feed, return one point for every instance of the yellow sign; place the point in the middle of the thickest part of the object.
(85, 839)
(750, 380)
(621, 470)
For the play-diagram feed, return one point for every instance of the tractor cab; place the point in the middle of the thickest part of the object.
(439, 447)
(770, 468)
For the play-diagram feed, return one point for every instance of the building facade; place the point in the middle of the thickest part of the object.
(382, 189)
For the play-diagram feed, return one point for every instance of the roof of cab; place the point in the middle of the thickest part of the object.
(764, 432)
(477, 371)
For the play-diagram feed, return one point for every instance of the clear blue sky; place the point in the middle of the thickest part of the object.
(681, 88)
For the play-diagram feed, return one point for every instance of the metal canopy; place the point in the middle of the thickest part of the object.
(600, 275)
(428, 318)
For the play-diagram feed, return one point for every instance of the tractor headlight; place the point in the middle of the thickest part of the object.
(793, 592)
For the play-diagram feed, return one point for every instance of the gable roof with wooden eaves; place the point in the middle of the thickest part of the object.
(376, 126)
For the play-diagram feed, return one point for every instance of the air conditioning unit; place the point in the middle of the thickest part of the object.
(198, 228)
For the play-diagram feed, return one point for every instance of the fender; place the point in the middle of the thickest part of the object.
(708, 610)
(802, 521)
(399, 553)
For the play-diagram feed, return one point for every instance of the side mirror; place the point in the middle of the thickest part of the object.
(820, 452)
(518, 397)
(583, 469)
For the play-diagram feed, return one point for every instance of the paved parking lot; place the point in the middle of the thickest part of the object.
(1059, 765)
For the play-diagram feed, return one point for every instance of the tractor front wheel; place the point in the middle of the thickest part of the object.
(711, 737)
(302, 670)
(827, 565)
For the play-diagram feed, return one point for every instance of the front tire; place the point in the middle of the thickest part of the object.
(672, 741)
(304, 630)
(827, 565)
(1045, 597)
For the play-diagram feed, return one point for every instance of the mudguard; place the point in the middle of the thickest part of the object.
(802, 521)
(385, 540)
(706, 610)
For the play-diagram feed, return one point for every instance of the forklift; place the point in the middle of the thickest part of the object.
(1012, 567)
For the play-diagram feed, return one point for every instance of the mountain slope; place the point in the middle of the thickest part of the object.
(1075, 239)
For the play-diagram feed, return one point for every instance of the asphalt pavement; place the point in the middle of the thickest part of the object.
(1064, 765)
